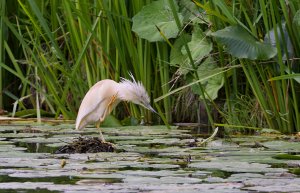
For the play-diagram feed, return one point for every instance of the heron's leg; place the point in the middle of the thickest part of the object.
(101, 135)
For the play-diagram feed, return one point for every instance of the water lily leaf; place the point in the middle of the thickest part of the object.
(160, 173)
(13, 128)
(144, 131)
(21, 135)
(108, 180)
(26, 160)
(165, 179)
(56, 144)
(6, 148)
(211, 179)
(237, 166)
(157, 14)
(283, 145)
(241, 44)
(43, 140)
(287, 157)
(5, 142)
(269, 131)
(160, 161)
(251, 156)
(141, 180)
(244, 176)
(180, 180)
(154, 141)
(130, 138)
(273, 185)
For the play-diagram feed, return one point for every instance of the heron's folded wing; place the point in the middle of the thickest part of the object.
(91, 101)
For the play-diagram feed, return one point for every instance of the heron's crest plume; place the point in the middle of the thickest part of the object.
(135, 91)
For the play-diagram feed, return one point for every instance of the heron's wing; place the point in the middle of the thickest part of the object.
(83, 120)
(94, 103)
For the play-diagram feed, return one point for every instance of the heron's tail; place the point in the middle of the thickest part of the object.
(80, 124)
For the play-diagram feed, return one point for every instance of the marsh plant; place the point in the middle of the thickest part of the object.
(212, 52)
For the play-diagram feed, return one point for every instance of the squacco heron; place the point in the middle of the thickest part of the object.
(104, 96)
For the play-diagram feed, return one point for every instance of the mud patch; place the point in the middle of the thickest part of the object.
(86, 145)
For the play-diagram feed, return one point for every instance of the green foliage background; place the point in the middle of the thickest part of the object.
(237, 58)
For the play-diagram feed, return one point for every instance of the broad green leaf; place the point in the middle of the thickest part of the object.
(176, 56)
(190, 84)
(242, 44)
(211, 85)
(158, 14)
(199, 46)
(283, 39)
(191, 12)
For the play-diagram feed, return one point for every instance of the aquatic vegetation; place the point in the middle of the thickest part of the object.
(147, 158)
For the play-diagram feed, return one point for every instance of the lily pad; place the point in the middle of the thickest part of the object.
(283, 145)
(41, 140)
(148, 159)
(21, 135)
(236, 166)
(287, 156)
(273, 185)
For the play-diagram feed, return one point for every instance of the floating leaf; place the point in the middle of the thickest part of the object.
(160, 161)
(273, 185)
(237, 166)
(283, 145)
(287, 157)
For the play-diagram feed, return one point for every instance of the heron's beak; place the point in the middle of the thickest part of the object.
(151, 109)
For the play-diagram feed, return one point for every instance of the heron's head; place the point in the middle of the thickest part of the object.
(134, 91)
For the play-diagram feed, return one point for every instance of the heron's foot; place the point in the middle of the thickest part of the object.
(101, 138)
(109, 143)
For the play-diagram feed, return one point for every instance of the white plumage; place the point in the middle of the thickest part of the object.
(105, 95)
